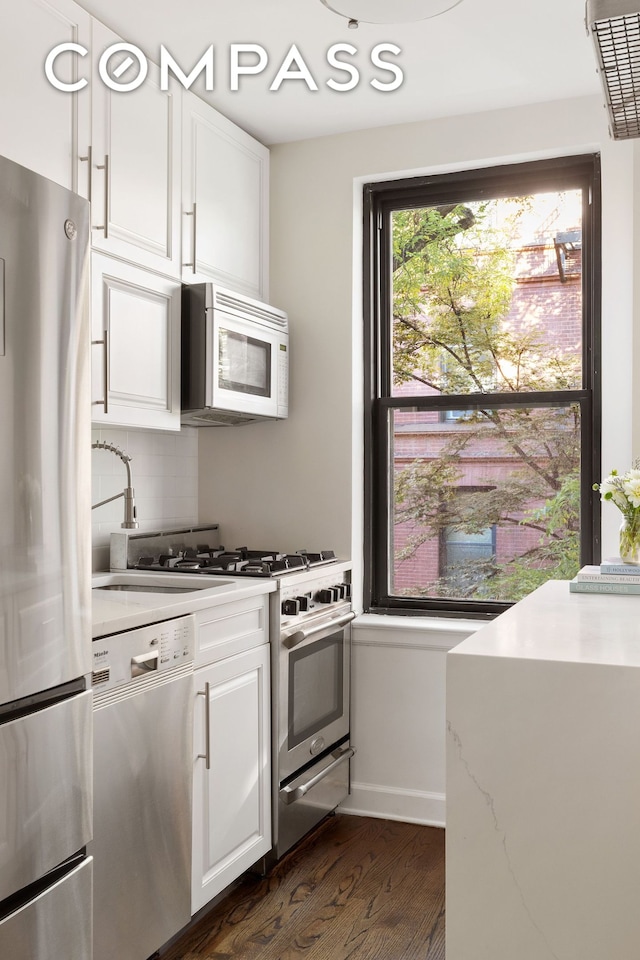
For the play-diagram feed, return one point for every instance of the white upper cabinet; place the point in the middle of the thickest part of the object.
(225, 196)
(177, 192)
(41, 127)
(135, 166)
(135, 350)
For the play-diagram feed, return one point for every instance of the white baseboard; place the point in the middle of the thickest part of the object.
(410, 806)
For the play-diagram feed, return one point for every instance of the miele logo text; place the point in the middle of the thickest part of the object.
(244, 60)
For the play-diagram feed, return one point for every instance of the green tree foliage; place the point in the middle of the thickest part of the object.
(453, 280)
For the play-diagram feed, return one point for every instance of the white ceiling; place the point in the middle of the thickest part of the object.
(481, 55)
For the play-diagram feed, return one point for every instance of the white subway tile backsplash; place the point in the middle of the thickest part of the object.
(185, 467)
(186, 443)
(187, 487)
(110, 513)
(150, 487)
(164, 469)
(151, 464)
(183, 507)
(104, 463)
(154, 509)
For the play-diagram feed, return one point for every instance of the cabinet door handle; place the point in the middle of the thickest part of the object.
(194, 235)
(88, 160)
(206, 756)
(105, 166)
(105, 369)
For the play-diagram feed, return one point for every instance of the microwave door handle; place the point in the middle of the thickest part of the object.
(293, 639)
(291, 794)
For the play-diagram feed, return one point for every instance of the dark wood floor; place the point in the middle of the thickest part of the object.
(358, 887)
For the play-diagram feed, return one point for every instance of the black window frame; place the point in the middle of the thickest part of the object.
(380, 200)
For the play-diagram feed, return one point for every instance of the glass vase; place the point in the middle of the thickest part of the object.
(630, 539)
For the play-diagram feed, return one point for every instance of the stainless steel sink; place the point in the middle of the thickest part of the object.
(160, 583)
(151, 588)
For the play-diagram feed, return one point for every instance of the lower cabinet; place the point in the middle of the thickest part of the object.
(232, 782)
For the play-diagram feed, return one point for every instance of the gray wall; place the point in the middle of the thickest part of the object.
(299, 482)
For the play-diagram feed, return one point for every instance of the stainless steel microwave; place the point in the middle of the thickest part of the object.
(234, 358)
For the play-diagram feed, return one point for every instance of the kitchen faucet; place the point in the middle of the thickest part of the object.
(130, 520)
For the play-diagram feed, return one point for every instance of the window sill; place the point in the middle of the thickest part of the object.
(422, 633)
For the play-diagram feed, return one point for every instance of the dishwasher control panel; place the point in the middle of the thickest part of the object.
(137, 654)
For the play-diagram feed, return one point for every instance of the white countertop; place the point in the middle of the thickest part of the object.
(543, 781)
(553, 624)
(114, 611)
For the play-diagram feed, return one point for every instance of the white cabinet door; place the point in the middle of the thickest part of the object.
(225, 185)
(135, 332)
(135, 176)
(41, 127)
(232, 797)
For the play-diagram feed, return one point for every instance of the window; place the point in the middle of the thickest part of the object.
(467, 557)
(482, 391)
(460, 547)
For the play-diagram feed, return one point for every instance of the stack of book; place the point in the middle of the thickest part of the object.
(612, 576)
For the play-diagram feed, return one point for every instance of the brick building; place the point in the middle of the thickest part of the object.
(547, 298)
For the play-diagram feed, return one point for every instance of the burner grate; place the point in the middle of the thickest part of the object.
(240, 562)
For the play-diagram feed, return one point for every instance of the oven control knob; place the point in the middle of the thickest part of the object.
(340, 589)
(291, 608)
(304, 603)
(347, 590)
(325, 595)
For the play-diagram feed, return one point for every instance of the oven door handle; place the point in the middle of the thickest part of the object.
(291, 794)
(295, 638)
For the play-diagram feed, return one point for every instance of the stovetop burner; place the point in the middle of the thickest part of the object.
(239, 562)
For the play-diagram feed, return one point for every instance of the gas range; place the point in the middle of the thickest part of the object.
(197, 550)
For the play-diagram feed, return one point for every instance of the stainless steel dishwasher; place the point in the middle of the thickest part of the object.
(142, 682)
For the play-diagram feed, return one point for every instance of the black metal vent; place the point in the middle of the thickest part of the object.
(614, 26)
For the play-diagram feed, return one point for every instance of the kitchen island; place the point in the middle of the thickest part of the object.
(543, 782)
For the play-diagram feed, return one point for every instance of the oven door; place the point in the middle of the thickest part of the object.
(314, 683)
(248, 369)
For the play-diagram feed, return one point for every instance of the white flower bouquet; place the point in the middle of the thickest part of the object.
(623, 490)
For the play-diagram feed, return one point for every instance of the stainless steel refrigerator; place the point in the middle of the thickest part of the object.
(45, 571)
